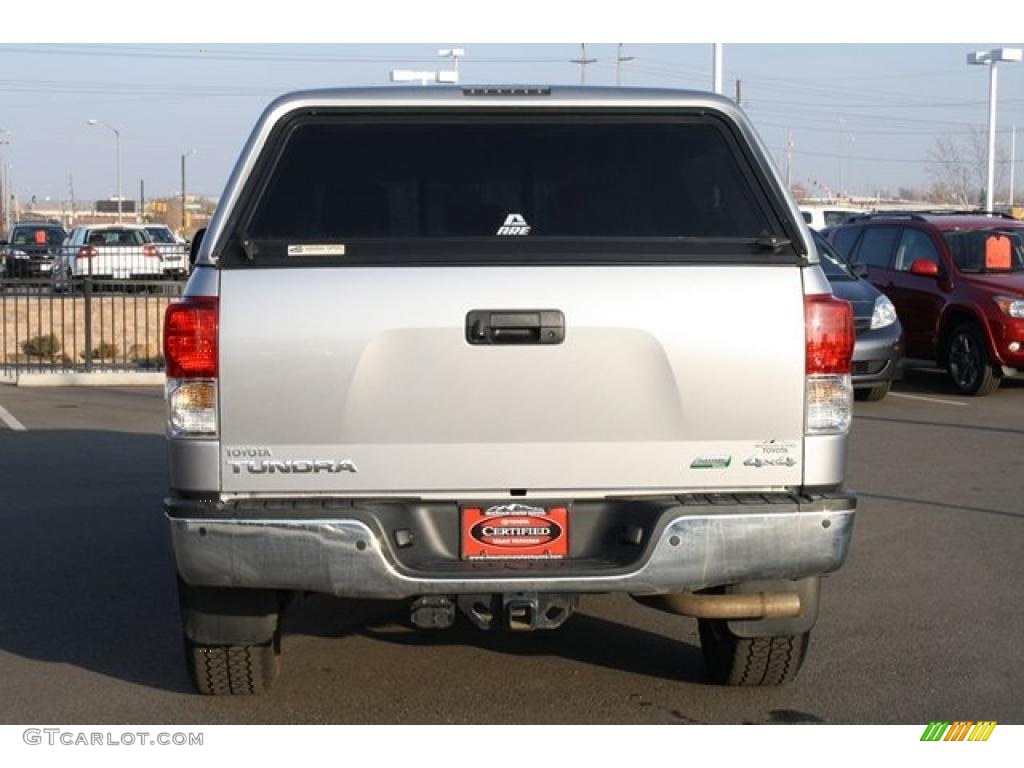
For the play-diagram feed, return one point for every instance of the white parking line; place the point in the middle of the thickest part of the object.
(8, 418)
(926, 399)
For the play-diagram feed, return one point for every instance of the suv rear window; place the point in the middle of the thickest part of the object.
(877, 246)
(503, 183)
(38, 236)
(973, 251)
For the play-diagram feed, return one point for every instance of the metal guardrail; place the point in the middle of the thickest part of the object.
(83, 323)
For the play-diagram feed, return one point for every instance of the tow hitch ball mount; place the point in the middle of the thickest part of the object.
(515, 611)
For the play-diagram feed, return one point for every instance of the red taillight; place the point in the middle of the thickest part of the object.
(85, 252)
(829, 333)
(190, 338)
(150, 250)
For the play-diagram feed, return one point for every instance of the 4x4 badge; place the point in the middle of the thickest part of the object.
(514, 224)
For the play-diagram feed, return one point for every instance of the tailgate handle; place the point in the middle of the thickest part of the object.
(515, 326)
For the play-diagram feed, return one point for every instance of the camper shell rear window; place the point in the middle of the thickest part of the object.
(373, 189)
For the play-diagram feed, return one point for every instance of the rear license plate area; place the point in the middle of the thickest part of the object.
(515, 532)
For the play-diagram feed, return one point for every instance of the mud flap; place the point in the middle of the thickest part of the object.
(228, 616)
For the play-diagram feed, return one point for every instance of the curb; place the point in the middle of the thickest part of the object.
(101, 379)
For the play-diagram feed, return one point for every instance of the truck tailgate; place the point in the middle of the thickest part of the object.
(362, 381)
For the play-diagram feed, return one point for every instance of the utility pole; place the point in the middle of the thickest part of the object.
(71, 193)
(5, 197)
(11, 201)
(789, 159)
(583, 61)
(184, 220)
(140, 216)
(619, 58)
(716, 67)
(739, 92)
(842, 158)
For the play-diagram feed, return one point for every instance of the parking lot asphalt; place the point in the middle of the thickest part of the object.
(924, 622)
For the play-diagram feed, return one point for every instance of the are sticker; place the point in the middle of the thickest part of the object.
(320, 249)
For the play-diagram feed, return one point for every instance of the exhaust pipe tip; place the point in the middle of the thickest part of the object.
(733, 606)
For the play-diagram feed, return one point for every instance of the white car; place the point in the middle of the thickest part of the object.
(111, 251)
(819, 216)
(173, 250)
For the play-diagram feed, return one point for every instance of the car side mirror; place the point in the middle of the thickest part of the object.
(924, 268)
(193, 251)
(859, 269)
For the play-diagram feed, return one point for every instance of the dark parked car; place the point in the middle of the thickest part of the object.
(878, 351)
(32, 247)
(957, 281)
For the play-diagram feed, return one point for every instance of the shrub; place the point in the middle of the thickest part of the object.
(105, 350)
(41, 346)
(142, 351)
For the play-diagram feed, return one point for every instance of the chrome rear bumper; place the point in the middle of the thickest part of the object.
(694, 546)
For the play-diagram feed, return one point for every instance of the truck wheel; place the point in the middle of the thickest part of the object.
(233, 670)
(750, 661)
(873, 394)
(968, 362)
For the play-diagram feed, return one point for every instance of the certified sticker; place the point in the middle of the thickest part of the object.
(325, 249)
(514, 534)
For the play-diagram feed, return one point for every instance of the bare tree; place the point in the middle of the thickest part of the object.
(959, 169)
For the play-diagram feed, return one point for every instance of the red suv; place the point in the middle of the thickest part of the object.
(957, 282)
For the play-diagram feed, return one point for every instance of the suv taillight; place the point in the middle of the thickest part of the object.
(150, 251)
(829, 339)
(190, 354)
(85, 252)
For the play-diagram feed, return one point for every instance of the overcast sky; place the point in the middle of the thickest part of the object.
(861, 116)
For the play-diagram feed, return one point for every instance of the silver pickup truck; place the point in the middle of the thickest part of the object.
(486, 350)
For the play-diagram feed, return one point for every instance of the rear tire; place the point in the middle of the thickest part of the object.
(232, 638)
(233, 670)
(873, 394)
(968, 362)
(750, 661)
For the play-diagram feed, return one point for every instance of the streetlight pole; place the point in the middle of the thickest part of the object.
(1013, 159)
(183, 157)
(716, 67)
(447, 76)
(992, 59)
(117, 149)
